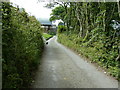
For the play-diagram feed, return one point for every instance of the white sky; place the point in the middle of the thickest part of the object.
(34, 7)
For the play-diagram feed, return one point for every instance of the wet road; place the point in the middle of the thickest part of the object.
(62, 68)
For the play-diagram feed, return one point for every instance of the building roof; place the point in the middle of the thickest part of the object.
(45, 21)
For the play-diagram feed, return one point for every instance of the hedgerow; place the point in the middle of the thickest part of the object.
(96, 53)
(22, 45)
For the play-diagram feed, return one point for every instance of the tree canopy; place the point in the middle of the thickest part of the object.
(93, 25)
(57, 13)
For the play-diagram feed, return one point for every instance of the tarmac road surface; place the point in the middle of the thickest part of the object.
(62, 68)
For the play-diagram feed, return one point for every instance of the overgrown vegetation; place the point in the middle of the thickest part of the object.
(22, 46)
(92, 29)
(61, 29)
(94, 53)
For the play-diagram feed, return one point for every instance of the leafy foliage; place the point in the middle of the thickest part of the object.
(61, 29)
(57, 13)
(93, 30)
(96, 53)
(22, 46)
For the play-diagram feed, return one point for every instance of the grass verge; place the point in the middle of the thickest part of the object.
(47, 36)
(94, 54)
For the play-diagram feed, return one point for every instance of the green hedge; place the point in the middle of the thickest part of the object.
(22, 46)
(96, 53)
(61, 29)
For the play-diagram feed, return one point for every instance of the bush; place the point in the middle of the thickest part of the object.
(61, 29)
(96, 53)
(22, 46)
(52, 33)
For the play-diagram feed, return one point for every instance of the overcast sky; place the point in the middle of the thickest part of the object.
(34, 7)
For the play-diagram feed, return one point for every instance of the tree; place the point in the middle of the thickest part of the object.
(57, 13)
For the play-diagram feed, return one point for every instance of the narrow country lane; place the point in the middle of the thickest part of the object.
(62, 68)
